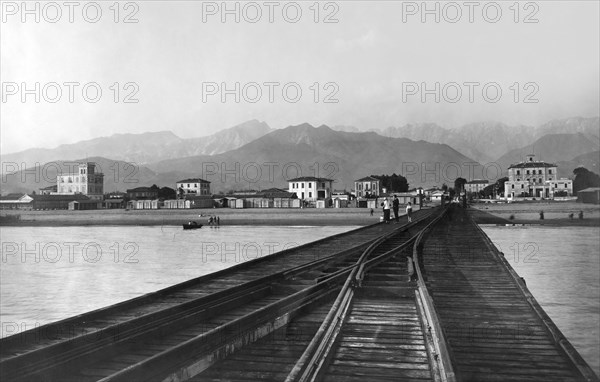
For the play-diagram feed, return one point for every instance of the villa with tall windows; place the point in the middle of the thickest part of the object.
(86, 181)
(536, 179)
(311, 189)
(368, 186)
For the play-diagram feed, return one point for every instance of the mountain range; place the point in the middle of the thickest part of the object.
(304, 150)
(252, 155)
(145, 147)
(489, 141)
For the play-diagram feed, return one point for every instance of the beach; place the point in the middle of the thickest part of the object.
(555, 213)
(228, 216)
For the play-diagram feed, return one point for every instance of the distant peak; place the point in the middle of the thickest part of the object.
(164, 133)
(252, 122)
(304, 125)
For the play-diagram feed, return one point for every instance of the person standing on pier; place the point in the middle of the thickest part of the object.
(396, 207)
(386, 210)
(409, 212)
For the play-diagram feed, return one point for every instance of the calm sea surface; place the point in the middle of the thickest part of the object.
(50, 273)
(561, 266)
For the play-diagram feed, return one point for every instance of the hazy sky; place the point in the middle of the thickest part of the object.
(369, 61)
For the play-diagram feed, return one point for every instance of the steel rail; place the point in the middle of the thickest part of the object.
(315, 356)
(438, 350)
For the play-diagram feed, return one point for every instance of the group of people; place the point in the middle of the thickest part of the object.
(395, 206)
(214, 220)
(571, 215)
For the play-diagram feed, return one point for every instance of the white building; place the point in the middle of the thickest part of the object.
(537, 179)
(367, 186)
(194, 186)
(476, 185)
(85, 181)
(310, 188)
(437, 196)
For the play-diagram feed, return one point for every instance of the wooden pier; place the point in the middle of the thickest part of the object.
(433, 300)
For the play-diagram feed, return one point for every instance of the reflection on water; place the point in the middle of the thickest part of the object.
(50, 273)
(561, 266)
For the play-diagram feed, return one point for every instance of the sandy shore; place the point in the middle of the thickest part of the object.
(254, 216)
(555, 213)
(523, 213)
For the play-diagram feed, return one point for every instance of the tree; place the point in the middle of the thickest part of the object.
(459, 185)
(500, 185)
(488, 191)
(584, 178)
(393, 183)
(444, 187)
(166, 193)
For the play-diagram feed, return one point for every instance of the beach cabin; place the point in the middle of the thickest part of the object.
(338, 203)
(114, 203)
(56, 202)
(589, 195)
(200, 201)
(278, 198)
(405, 197)
(16, 201)
(79, 205)
(136, 204)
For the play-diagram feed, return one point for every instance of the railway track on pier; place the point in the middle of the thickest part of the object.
(429, 301)
(453, 320)
(147, 337)
(383, 325)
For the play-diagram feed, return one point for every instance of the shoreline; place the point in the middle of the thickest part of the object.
(178, 223)
(555, 215)
(551, 223)
(263, 217)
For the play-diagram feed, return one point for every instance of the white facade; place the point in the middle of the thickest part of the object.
(311, 189)
(367, 185)
(85, 181)
(437, 196)
(535, 179)
(476, 185)
(194, 186)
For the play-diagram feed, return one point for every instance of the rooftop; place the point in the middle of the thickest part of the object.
(13, 196)
(143, 189)
(193, 180)
(367, 179)
(531, 164)
(197, 197)
(310, 179)
(56, 198)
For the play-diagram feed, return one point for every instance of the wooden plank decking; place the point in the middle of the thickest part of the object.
(492, 323)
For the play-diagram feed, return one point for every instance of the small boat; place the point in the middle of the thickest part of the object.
(192, 225)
